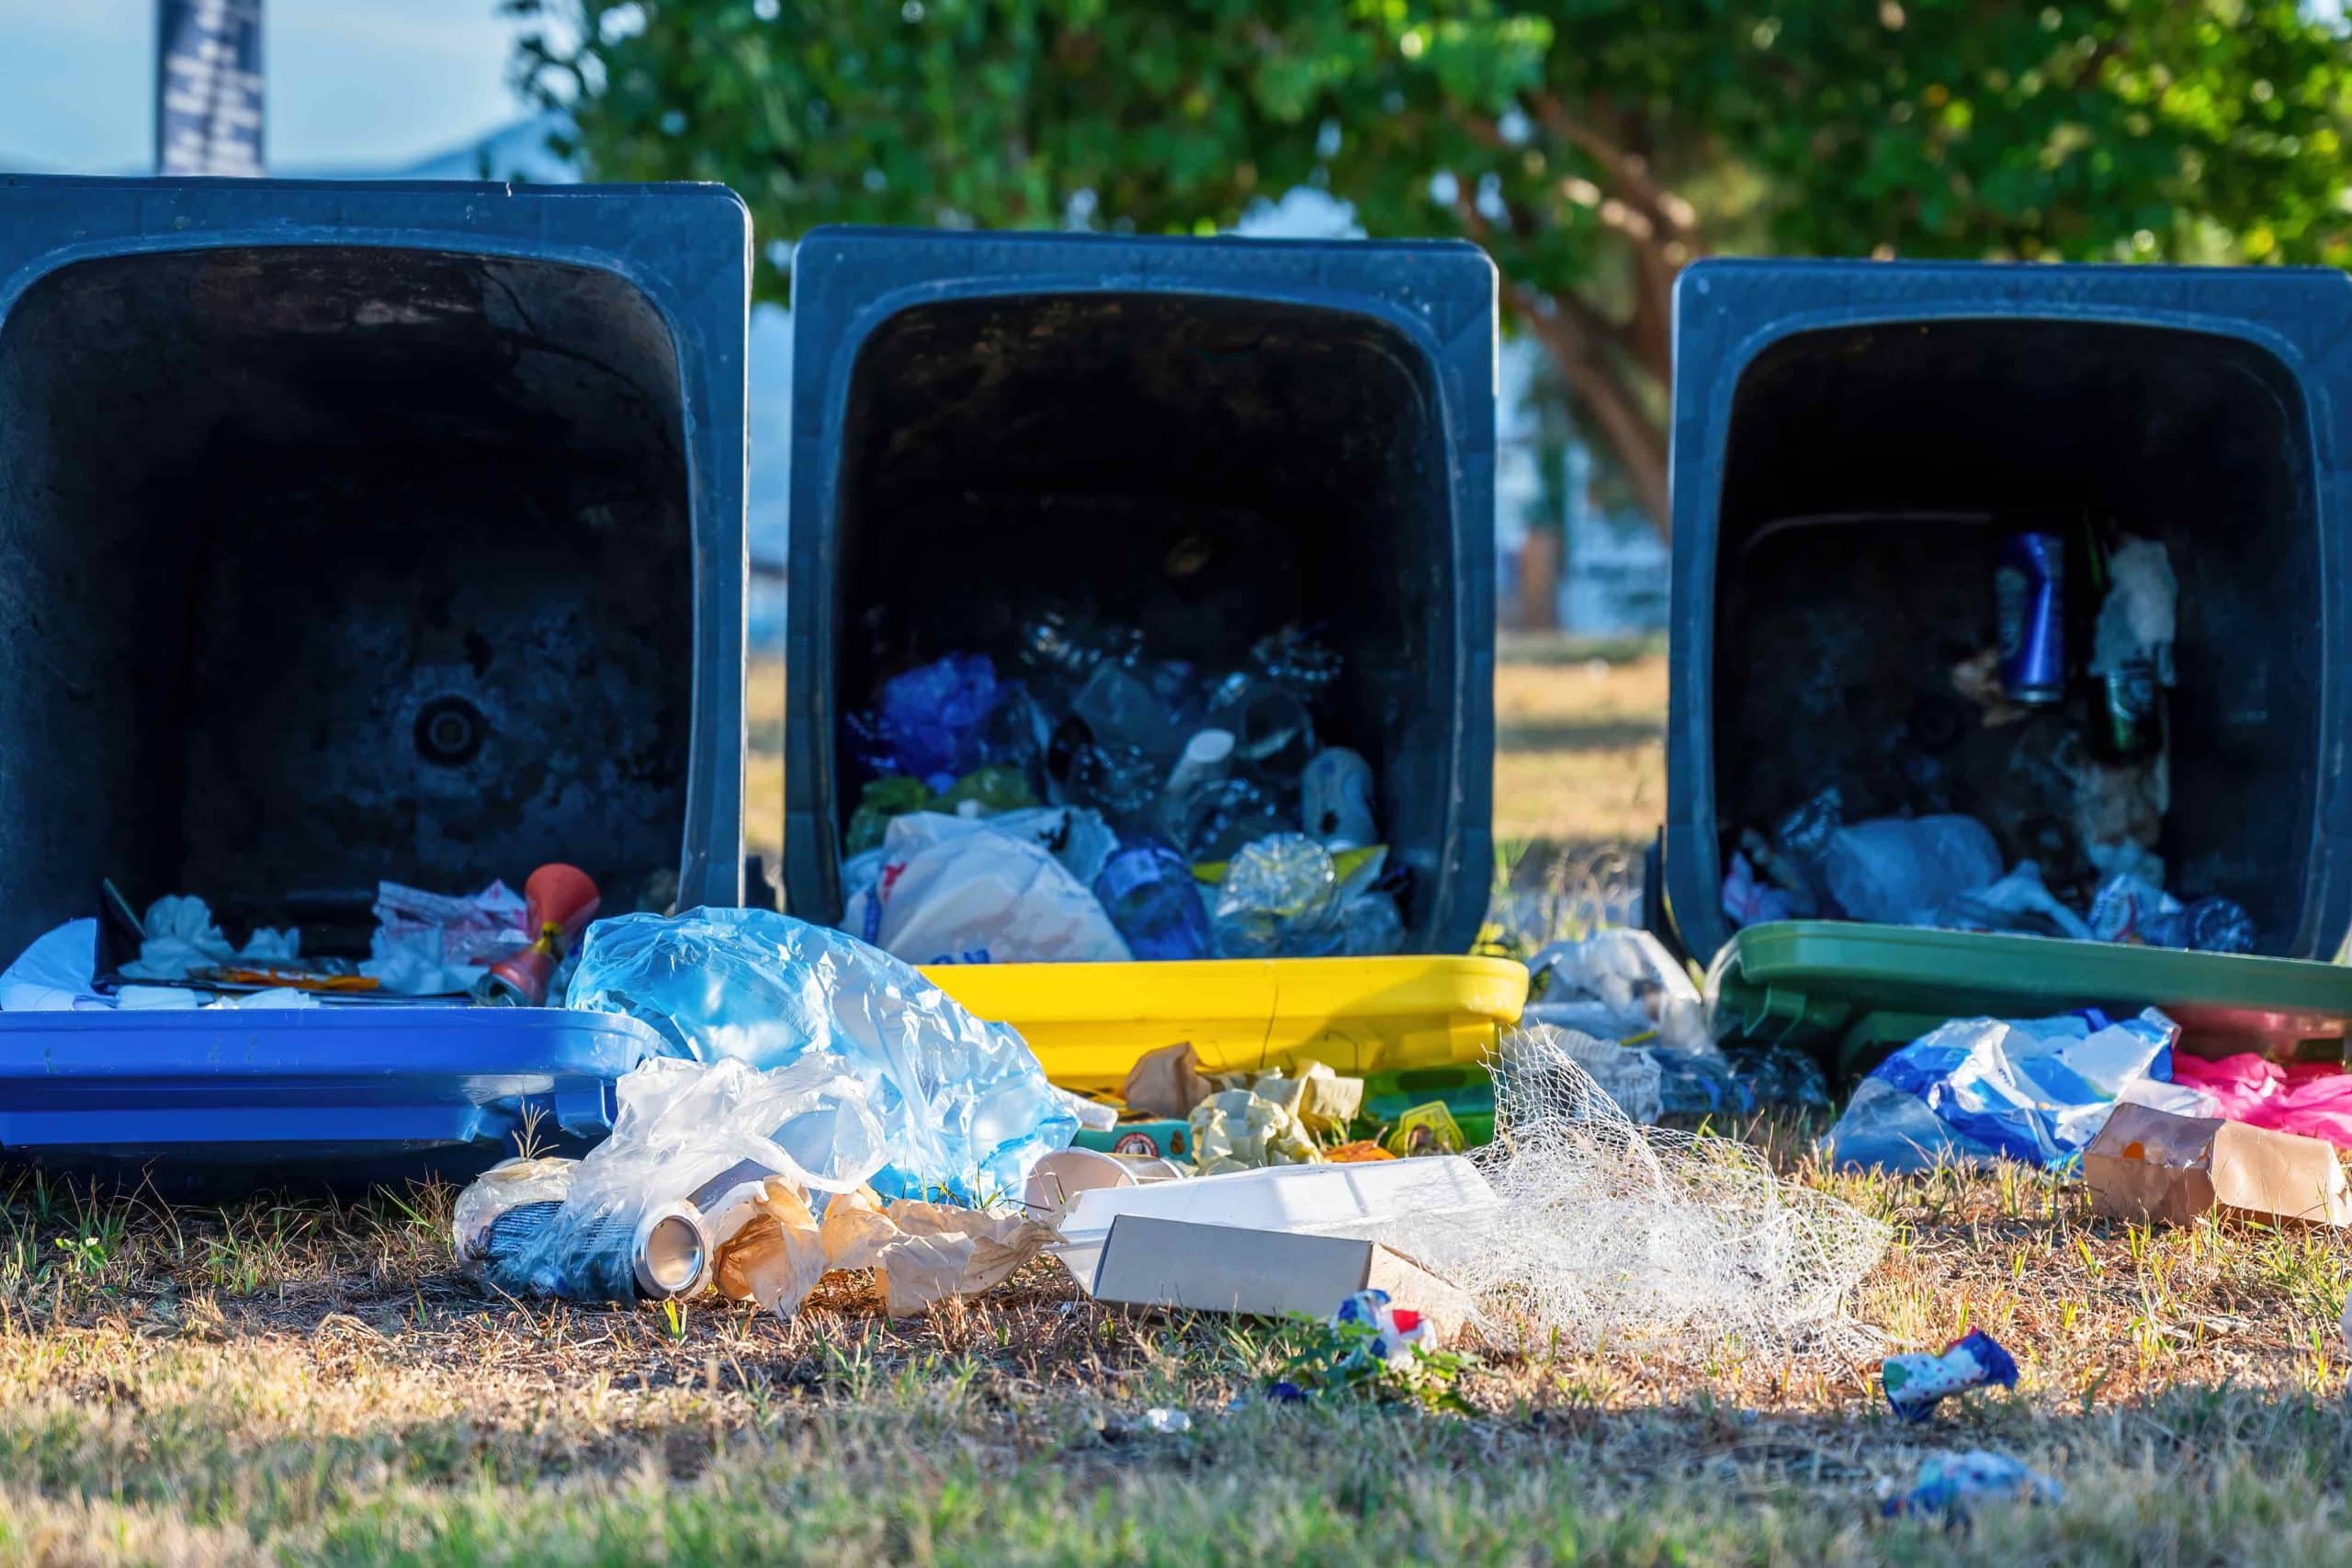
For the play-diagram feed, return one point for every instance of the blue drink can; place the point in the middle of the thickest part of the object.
(2030, 599)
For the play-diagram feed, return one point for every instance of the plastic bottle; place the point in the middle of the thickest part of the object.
(1337, 793)
(1148, 892)
(1279, 899)
(1273, 733)
(1190, 794)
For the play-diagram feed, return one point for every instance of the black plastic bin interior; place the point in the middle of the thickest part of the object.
(1210, 465)
(331, 564)
(1867, 472)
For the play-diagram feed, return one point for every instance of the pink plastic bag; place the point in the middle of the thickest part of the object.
(2302, 1096)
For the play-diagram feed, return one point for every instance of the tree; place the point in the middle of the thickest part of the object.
(1593, 147)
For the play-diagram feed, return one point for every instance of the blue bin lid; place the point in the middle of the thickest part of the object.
(331, 1085)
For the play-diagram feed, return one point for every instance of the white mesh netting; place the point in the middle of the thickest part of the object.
(1615, 1235)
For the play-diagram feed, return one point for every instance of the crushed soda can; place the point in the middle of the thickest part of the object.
(1917, 1383)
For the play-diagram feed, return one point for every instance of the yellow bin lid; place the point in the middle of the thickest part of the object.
(1088, 1023)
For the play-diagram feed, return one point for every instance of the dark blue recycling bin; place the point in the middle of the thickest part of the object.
(1206, 439)
(362, 531)
(1851, 441)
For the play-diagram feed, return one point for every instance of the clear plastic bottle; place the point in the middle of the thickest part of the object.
(1336, 795)
(1148, 890)
(1279, 899)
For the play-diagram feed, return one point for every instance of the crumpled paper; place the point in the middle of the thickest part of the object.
(1237, 1130)
(1166, 1082)
(180, 938)
(779, 1249)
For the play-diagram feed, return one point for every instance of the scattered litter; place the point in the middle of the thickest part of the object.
(57, 973)
(1640, 1237)
(1057, 1179)
(1149, 893)
(928, 723)
(1091, 1114)
(1159, 770)
(1166, 1082)
(2149, 1165)
(1904, 871)
(1158, 1421)
(54, 972)
(1978, 1089)
(1955, 1483)
(1917, 1383)
(957, 890)
(963, 1107)
(729, 1176)
(1617, 984)
(2309, 1098)
(429, 944)
(1374, 1345)
(1627, 1075)
(1237, 1130)
(1778, 1076)
(179, 940)
(558, 902)
(1425, 1130)
(1397, 1332)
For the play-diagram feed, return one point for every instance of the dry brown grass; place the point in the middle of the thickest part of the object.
(294, 1380)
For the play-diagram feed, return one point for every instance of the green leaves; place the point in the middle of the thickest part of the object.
(1594, 147)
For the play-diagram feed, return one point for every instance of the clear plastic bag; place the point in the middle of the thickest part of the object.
(632, 1221)
(964, 1108)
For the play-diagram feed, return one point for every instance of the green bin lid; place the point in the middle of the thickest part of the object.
(1856, 990)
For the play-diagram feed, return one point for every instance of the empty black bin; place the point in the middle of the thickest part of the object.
(1208, 439)
(367, 531)
(1850, 442)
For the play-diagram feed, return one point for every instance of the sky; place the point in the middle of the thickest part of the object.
(353, 84)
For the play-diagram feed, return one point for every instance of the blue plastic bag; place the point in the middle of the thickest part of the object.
(930, 722)
(1980, 1088)
(964, 1106)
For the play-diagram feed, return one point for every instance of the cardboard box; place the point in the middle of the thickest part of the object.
(2151, 1165)
(1170, 1263)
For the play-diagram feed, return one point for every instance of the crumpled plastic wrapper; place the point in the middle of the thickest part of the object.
(963, 1106)
(1618, 985)
(685, 1134)
(1237, 1130)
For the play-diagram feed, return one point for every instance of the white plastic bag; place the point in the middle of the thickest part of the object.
(955, 890)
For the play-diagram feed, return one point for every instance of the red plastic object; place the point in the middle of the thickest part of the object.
(558, 901)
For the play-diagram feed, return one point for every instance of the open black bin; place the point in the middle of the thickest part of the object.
(1851, 439)
(1207, 439)
(367, 531)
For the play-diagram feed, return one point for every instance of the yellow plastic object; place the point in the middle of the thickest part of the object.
(1088, 1023)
